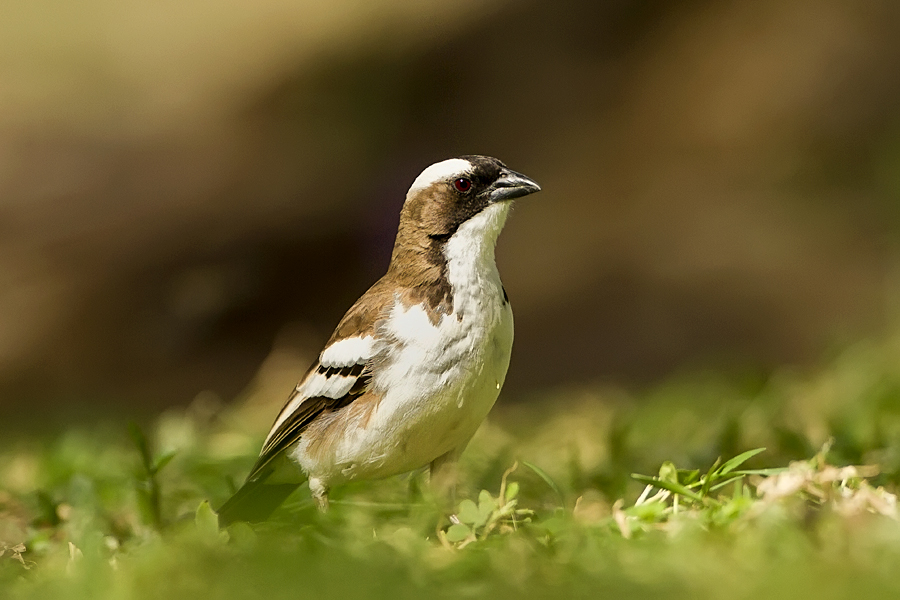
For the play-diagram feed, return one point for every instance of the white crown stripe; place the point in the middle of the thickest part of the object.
(442, 171)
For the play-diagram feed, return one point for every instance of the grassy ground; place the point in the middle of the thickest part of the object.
(549, 504)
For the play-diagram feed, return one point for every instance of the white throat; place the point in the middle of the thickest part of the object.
(471, 269)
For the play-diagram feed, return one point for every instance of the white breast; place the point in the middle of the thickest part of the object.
(438, 381)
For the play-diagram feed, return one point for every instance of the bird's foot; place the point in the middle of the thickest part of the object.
(319, 493)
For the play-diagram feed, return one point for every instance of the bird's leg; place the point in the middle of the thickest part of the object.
(319, 493)
(444, 474)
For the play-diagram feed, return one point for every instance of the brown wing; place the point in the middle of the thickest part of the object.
(335, 380)
(289, 429)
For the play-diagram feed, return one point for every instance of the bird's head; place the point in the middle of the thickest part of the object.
(449, 193)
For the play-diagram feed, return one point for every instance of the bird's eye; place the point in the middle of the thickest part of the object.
(462, 185)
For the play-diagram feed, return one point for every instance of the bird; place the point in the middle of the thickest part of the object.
(415, 365)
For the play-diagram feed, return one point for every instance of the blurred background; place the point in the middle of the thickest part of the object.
(193, 193)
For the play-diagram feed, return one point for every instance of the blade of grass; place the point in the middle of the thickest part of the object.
(724, 480)
(667, 485)
(547, 479)
(733, 463)
(707, 481)
(163, 460)
(146, 483)
(765, 472)
(140, 442)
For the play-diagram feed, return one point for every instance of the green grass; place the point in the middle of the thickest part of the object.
(590, 492)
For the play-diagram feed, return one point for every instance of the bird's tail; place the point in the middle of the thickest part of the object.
(255, 501)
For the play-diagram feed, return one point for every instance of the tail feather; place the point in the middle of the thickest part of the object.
(255, 501)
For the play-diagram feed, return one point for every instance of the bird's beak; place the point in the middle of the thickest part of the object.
(512, 185)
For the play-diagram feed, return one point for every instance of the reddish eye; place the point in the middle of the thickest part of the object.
(462, 185)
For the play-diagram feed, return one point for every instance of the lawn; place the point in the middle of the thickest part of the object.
(584, 492)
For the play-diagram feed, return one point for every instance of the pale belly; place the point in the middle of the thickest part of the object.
(439, 388)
